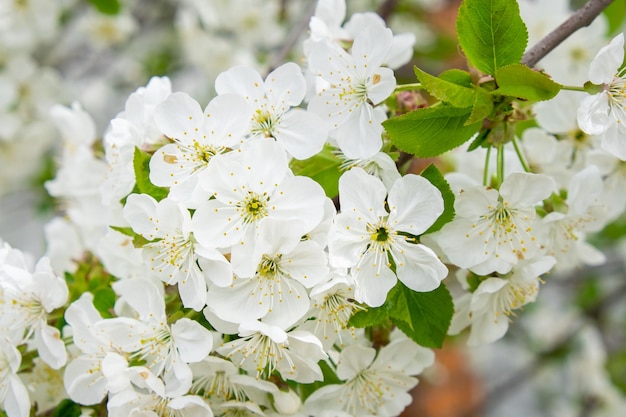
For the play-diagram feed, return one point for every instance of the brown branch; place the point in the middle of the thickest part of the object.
(582, 17)
(294, 35)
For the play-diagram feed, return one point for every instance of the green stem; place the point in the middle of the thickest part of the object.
(572, 88)
(518, 151)
(486, 169)
(500, 163)
(405, 87)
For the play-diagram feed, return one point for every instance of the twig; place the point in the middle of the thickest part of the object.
(387, 8)
(278, 58)
(582, 17)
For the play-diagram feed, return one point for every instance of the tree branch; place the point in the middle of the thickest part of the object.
(582, 17)
(294, 35)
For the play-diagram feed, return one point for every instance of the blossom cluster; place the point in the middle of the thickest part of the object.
(228, 277)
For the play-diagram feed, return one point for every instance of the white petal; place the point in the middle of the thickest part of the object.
(16, 401)
(359, 136)
(302, 133)
(414, 204)
(522, 189)
(374, 280)
(607, 61)
(50, 346)
(243, 81)
(593, 114)
(353, 360)
(419, 268)
(285, 86)
(381, 84)
(362, 194)
(179, 116)
(194, 342)
(84, 381)
(371, 46)
(227, 120)
(138, 212)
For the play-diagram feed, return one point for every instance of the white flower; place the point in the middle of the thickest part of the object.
(26, 300)
(332, 306)
(134, 127)
(375, 385)
(173, 254)
(380, 165)
(265, 348)
(273, 285)
(605, 113)
(274, 102)
(250, 186)
(167, 349)
(584, 211)
(13, 395)
(488, 308)
(197, 136)
(366, 234)
(219, 381)
(325, 25)
(493, 230)
(100, 367)
(138, 404)
(349, 86)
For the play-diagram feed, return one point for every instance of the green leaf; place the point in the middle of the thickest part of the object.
(110, 7)
(141, 164)
(517, 80)
(452, 93)
(491, 33)
(482, 106)
(457, 76)
(480, 139)
(67, 408)
(373, 316)
(138, 240)
(432, 174)
(423, 316)
(431, 131)
(615, 13)
(324, 168)
(104, 301)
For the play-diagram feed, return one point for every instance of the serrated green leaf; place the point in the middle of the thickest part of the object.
(482, 106)
(323, 168)
(373, 316)
(457, 76)
(456, 95)
(110, 7)
(491, 33)
(479, 140)
(430, 131)
(141, 165)
(423, 316)
(67, 408)
(432, 174)
(517, 80)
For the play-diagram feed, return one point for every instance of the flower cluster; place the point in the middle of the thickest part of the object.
(222, 258)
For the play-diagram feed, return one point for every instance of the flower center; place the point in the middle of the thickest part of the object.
(264, 123)
(253, 207)
(269, 268)
(364, 395)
